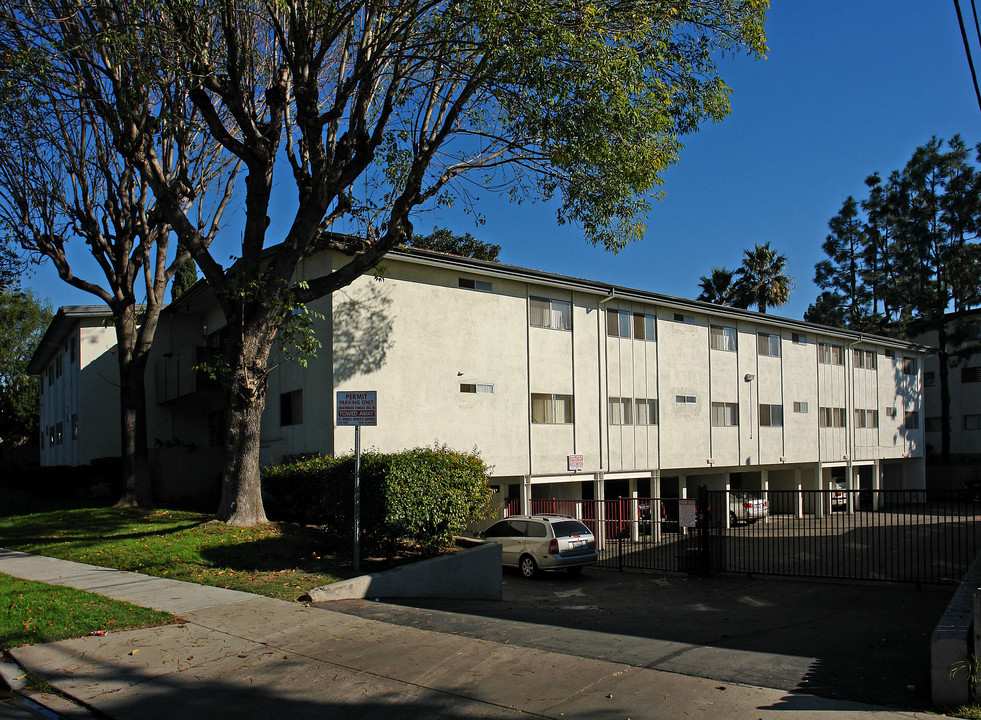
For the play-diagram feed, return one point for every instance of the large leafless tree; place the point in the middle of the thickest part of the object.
(374, 109)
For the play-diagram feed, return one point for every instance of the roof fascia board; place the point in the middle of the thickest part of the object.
(512, 272)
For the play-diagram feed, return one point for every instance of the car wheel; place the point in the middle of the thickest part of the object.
(574, 570)
(528, 566)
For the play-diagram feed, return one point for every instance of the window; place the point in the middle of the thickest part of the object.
(554, 314)
(831, 354)
(74, 426)
(831, 417)
(618, 323)
(723, 338)
(891, 412)
(930, 378)
(291, 408)
(60, 433)
(725, 414)
(682, 318)
(767, 344)
(971, 374)
(909, 366)
(621, 411)
(551, 409)
(644, 327)
(866, 418)
(472, 284)
(646, 411)
(972, 422)
(864, 359)
(798, 338)
(800, 407)
(51, 436)
(911, 420)
(685, 399)
(771, 415)
(480, 388)
(932, 424)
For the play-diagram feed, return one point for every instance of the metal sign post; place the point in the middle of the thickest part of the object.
(357, 408)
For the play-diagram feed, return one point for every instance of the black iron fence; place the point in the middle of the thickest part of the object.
(893, 535)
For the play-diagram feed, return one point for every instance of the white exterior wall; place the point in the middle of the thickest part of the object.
(413, 335)
(88, 388)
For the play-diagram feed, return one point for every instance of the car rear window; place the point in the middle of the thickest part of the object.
(565, 528)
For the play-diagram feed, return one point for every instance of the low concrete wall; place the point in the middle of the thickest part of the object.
(951, 644)
(473, 574)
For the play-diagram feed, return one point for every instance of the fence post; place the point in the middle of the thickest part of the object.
(702, 527)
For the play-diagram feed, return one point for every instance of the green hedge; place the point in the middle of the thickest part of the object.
(423, 497)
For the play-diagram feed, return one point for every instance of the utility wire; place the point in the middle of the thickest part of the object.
(967, 47)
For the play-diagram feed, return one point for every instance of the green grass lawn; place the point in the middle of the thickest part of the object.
(276, 559)
(33, 612)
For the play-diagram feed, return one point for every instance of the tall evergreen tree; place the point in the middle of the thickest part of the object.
(839, 273)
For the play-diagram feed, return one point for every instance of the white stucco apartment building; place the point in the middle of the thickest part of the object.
(568, 388)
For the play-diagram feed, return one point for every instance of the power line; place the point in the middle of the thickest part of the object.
(967, 46)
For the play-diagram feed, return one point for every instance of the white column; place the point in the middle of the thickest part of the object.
(682, 495)
(799, 484)
(655, 506)
(725, 508)
(765, 486)
(821, 502)
(600, 512)
(876, 486)
(851, 473)
(634, 528)
(526, 496)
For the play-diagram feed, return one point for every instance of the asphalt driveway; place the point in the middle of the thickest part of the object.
(866, 642)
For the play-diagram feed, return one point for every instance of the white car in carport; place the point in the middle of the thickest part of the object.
(533, 543)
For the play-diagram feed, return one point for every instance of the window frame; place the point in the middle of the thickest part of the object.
(773, 413)
(647, 325)
(911, 420)
(551, 309)
(551, 409)
(725, 414)
(800, 407)
(767, 344)
(288, 403)
(651, 411)
(620, 411)
(721, 336)
(618, 323)
(830, 354)
(478, 388)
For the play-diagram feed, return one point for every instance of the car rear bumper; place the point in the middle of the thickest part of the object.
(558, 562)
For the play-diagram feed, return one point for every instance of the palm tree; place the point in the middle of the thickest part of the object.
(718, 288)
(762, 279)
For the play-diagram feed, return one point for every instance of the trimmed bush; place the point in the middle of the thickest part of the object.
(422, 497)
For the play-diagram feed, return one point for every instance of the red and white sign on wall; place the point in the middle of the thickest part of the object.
(357, 407)
(575, 462)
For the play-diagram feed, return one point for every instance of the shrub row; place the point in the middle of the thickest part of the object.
(422, 497)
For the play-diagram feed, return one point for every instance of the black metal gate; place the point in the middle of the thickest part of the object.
(892, 535)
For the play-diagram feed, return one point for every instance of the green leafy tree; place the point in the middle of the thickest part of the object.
(23, 318)
(762, 279)
(185, 276)
(443, 240)
(840, 274)
(919, 269)
(65, 189)
(719, 288)
(379, 110)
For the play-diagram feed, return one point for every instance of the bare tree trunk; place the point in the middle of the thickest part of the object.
(245, 400)
(133, 428)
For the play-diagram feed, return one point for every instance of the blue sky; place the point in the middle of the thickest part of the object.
(847, 88)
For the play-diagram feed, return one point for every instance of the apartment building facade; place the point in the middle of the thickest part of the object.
(568, 388)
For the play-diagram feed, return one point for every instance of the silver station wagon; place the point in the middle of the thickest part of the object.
(543, 542)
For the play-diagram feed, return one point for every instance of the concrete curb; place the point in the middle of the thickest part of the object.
(950, 644)
(472, 574)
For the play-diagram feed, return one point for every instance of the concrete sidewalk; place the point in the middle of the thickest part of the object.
(244, 656)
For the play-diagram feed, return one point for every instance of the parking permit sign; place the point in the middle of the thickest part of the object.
(686, 513)
(357, 407)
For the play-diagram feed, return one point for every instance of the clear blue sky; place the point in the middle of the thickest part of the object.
(848, 87)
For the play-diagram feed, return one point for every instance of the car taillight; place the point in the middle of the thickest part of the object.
(747, 505)
(764, 503)
(553, 547)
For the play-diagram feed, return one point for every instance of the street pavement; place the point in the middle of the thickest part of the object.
(237, 655)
